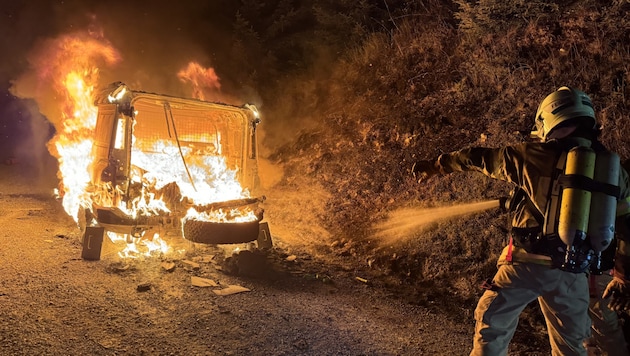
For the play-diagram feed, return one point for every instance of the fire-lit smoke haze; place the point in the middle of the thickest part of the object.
(184, 51)
(154, 41)
(404, 224)
(64, 80)
(63, 77)
(60, 71)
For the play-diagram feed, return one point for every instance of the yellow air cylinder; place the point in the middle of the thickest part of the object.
(601, 225)
(576, 202)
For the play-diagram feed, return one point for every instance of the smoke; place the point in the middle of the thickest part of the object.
(144, 44)
(405, 223)
(155, 39)
(53, 62)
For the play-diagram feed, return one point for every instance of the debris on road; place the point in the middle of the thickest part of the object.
(143, 287)
(190, 264)
(231, 289)
(168, 266)
(202, 282)
(204, 259)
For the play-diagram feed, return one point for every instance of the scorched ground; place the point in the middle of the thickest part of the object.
(54, 303)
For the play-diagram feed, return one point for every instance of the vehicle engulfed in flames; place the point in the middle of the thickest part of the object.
(167, 165)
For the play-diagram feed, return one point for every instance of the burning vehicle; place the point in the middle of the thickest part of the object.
(164, 165)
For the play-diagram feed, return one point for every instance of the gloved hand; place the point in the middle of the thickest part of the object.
(619, 294)
(423, 170)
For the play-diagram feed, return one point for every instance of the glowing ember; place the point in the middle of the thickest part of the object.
(232, 215)
(140, 246)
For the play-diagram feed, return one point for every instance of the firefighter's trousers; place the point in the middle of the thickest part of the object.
(563, 299)
(606, 332)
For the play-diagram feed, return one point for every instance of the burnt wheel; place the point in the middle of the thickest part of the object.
(220, 233)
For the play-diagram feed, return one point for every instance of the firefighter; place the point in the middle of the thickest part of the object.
(556, 236)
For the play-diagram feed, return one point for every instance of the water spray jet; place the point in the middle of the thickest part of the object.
(404, 223)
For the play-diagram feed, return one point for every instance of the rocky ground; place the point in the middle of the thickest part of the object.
(297, 301)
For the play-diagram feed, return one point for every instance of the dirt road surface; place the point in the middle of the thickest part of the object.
(52, 302)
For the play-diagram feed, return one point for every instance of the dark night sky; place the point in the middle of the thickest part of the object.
(155, 39)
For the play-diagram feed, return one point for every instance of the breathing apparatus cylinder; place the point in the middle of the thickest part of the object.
(601, 225)
(576, 201)
(588, 204)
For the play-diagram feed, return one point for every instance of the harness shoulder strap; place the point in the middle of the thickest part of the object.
(553, 203)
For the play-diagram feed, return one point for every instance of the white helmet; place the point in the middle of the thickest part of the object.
(560, 106)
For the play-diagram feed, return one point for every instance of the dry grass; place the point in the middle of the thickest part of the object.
(432, 79)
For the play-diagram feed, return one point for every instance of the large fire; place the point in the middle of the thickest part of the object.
(69, 63)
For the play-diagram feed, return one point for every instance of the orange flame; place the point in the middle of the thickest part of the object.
(200, 78)
(212, 181)
(68, 65)
(140, 247)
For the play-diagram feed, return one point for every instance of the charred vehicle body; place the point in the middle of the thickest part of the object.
(169, 165)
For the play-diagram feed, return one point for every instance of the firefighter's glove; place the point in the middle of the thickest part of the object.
(619, 293)
(423, 170)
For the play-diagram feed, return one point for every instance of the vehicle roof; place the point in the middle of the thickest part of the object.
(132, 96)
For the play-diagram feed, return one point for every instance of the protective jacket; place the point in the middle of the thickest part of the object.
(531, 167)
